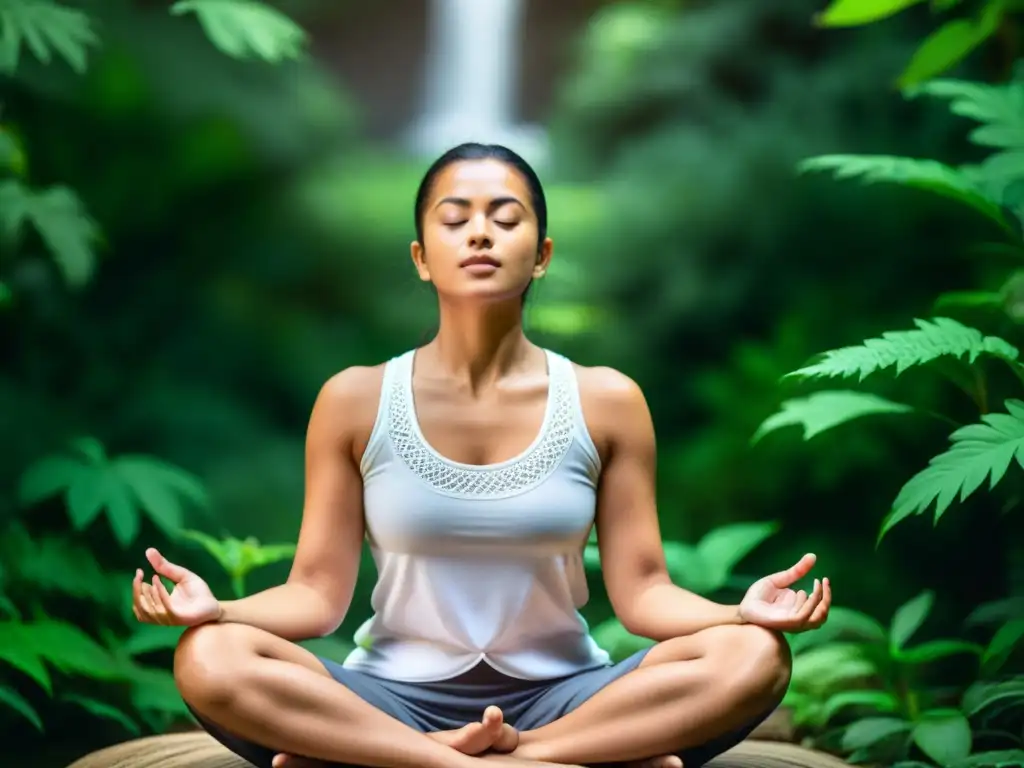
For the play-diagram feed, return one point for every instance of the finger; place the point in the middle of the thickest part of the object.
(812, 603)
(137, 585)
(162, 596)
(151, 605)
(820, 614)
(165, 567)
(793, 574)
(798, 602)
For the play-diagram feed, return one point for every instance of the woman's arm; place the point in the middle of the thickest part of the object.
(314, 600)
(632, 557)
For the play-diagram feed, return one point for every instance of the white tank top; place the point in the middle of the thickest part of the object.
(478, 563)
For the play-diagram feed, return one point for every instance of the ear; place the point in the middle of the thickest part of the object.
(543, 258)
(419, 260)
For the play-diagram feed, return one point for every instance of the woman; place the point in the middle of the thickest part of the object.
(476, 466)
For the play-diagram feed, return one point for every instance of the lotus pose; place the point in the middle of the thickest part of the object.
(475, 467)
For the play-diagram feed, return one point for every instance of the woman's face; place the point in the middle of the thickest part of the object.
(480, 233)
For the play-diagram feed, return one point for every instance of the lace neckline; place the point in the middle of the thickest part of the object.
(515, 475)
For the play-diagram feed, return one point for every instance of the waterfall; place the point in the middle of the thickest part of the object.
(473, 56)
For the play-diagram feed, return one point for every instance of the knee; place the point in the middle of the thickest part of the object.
(755, 661)
(207, 664)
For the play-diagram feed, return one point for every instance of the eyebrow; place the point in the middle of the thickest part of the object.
(496, 203)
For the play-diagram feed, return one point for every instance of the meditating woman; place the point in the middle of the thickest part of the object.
(476, 466)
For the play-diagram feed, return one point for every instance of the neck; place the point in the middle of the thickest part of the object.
(478, 345)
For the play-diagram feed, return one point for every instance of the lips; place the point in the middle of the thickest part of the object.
(480, 259)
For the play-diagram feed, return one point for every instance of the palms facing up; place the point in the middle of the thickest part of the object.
(771, 603)
(191, 602)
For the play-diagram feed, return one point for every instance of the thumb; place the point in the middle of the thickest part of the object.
(165, 567)
(795, 573)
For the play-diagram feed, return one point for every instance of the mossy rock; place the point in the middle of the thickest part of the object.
(197, 750)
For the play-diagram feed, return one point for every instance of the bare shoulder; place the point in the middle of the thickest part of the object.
(613, 405)
(347, 404)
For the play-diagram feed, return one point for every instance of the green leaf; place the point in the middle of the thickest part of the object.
(722, 548)
(872, 730)
(151, 637)
(245, 28)
(12, 156)
(821, 668)
(927, 175)
(1008, 758)
(943, 735)
(17, 651)
(949, 45)
(933, 650)
(852, 13)
(14, 700)
(983, 695)
(968, 300)
(843, 623)
(46, 28)
(932, 339)
(159, 487)
(6, 295)
(56, 564)
(1000, 111)
(154, 690)
(48, 477)
(105, 711)
(882, 702)
(61, 221)
(908, 618)
(979, 451)
(1003, 643)
(822, 411)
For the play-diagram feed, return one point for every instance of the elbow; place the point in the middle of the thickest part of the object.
(326, 611)
(634, 607)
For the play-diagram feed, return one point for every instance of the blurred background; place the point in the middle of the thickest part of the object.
(205, 213)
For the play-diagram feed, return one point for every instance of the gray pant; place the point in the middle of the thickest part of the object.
(450, 704)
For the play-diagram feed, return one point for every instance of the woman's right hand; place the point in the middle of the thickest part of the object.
(189, 603)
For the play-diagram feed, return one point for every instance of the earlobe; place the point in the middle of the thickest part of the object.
(419, 260)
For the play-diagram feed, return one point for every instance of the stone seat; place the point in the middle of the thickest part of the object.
(198, 750)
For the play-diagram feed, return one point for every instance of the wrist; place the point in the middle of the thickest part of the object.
(737, 615)
(221, 616)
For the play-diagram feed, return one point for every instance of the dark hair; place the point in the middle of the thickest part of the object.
(473, 151)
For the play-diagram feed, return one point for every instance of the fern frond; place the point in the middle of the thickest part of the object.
(246, 28)
(61, 221)
(822, 411)
(939, 337)
(979, 452)
(928, 175)
(1000, 111)
(47, 29)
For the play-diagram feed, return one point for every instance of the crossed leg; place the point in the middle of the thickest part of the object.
(687, 691)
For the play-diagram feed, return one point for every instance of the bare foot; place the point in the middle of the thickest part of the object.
(490, 734)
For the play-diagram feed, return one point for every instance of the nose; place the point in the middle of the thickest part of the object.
(479, 234)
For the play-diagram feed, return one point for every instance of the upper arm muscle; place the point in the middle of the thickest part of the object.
(331, 536)
(628, 533)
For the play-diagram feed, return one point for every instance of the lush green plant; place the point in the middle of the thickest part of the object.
(981, 451)
(239, 557)
(706, 568)
(944, 48)
(93, 656)
(874, 695)
(875, 682)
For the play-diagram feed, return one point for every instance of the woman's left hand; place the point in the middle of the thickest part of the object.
(770, 602)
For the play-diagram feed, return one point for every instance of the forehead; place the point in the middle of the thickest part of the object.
(480, 178)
